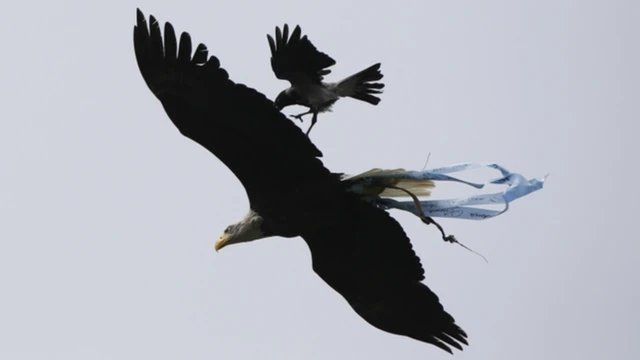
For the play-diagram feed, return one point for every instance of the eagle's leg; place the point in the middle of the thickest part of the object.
(314, 119)
(429, 221)
(448, 238)
(425, 219)
(299, 116)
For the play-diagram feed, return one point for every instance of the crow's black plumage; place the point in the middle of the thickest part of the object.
(358, 249)
(296, 59)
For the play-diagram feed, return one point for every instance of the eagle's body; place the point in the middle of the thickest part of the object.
(358, 249)
(297, 60)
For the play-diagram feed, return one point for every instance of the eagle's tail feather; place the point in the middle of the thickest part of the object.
(389, 183)
(361, 86)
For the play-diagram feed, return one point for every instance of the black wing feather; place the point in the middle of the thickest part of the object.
(239, 125)
(366, 256)
(170, 49)
(296, 59)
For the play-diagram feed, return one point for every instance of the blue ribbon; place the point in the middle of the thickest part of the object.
(518, 186)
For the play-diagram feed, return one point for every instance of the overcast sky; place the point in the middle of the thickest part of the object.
(108, 215)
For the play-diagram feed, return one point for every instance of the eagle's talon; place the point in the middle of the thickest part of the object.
(447, 238)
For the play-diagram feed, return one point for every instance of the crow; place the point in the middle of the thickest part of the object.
(297, 60)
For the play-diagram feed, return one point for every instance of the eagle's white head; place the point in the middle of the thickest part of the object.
(245, 230)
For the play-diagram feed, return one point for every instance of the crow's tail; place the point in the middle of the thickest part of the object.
(361, 86)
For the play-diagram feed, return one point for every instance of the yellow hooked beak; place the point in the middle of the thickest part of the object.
(222, 241)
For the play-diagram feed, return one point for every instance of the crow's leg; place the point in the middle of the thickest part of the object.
(299, 116)
(314, 119)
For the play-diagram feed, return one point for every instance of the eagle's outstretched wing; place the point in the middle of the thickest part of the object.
(239, 125)
(365, 255)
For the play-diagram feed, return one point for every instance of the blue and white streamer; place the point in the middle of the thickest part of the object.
(518, 186)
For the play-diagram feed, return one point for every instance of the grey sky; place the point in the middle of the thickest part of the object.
(108, 215)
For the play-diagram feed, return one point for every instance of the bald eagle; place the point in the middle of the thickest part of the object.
(297, 60)
(358, 249)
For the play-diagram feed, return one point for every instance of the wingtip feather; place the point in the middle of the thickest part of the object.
(295, 36)
(279, 41)
(140, 16)
(285, 33)
(272, 44)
